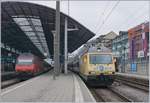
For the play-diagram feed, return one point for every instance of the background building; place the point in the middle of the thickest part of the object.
(120, 48)
(139, 48)
(107, 39)
(131, 50)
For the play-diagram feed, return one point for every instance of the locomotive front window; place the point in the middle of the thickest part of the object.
(100, 59)
(24, 62)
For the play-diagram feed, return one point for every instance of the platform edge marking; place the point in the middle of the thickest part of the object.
(93, 99)
(78, 94)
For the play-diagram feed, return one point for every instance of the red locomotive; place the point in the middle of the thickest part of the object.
(29, 65)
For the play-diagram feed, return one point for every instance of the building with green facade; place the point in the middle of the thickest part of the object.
(120, 49)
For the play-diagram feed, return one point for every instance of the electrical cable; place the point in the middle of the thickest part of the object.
(129, 17)
(102, 14)
(108, 16)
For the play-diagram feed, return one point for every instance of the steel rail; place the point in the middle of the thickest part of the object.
(97, 96)
(134, 84)
(119, 94)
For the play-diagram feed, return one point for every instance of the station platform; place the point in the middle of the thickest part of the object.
(131, 75)
(66, 88)
(8, 75)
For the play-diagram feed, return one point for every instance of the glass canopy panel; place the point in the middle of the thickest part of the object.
(30, 33)
(40, 33)
(39, 28)
(44, 44)
(38, 43)
(36, 21)
(41, 37)
(26, 28)
(34, 40)
(21, 21)
(43, 40)
(33, 37)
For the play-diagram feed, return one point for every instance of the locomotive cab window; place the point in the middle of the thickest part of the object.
(100, 59)
(24, 61)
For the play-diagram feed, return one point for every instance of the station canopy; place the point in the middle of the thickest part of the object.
(29, 27)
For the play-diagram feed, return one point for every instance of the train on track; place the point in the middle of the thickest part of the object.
(29, 65)
(96, 66)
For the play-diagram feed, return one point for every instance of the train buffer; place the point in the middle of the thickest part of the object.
(66, 88)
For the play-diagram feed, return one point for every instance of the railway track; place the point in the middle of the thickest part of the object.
(139, 85)
(97, 97)
(122, 96)
(109, 95)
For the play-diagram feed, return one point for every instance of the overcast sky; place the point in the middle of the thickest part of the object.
(123, 15)
(92, 14)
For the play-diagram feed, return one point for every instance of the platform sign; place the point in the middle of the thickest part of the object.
(140, 54)
(133, 67)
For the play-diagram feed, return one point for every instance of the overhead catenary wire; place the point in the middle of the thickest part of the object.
(126, 21)
(102, 14)
(104, 21)
(131, 26)
(135, 18)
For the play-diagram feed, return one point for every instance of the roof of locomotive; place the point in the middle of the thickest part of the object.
(95, 50)
(100, 53)
(99, 50)
(26, 56)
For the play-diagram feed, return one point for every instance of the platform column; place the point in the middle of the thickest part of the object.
(66, 45)
(57, 41)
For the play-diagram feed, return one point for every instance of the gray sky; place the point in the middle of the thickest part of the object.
(91, 14)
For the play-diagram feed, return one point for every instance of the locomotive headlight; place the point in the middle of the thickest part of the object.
(92, 72)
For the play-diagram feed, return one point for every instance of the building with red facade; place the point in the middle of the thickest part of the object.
(139, 46)
(138, 41)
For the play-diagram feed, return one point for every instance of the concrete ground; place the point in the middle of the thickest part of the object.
(66, 88)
